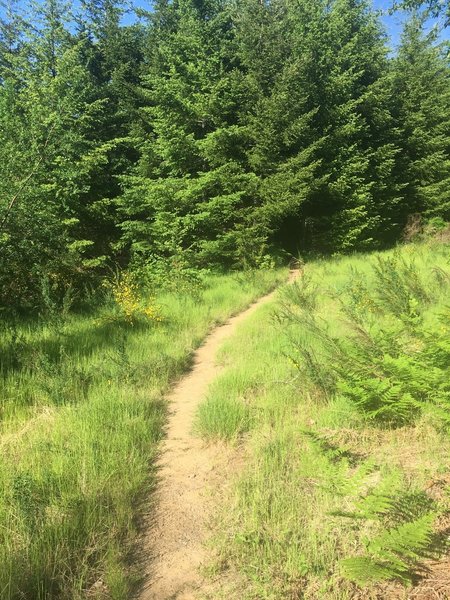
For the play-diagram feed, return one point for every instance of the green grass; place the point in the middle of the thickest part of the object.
(337, 495)
(222, 416)
(82, 407)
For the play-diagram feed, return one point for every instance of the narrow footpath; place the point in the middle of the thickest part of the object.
(174, 541)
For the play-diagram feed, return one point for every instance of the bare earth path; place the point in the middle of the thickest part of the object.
(174, 542)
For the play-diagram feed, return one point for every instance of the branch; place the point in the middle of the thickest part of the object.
(26, 180)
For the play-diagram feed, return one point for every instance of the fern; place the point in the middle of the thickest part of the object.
(394, 554)
(364, 570)
(380, 399)
(352, 484)
(332, 451)
(378, 500)
(409, 542)
(388, 501)
(405, 522)
(375, 505)
(391, 374)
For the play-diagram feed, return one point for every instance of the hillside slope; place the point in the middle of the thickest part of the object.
(337, 399)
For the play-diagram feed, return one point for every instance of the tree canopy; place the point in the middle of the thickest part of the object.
(212, 133)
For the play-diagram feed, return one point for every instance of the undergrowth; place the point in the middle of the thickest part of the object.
(345, 389)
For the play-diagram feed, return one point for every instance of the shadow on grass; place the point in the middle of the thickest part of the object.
(82, 339)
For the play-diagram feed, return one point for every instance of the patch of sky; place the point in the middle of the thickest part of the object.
(392, 21)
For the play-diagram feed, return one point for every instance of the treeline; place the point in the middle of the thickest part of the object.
(209, 133)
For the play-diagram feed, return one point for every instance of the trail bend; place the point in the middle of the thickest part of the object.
(174, 540)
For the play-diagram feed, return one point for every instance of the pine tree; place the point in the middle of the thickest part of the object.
(282, 141)
(347, 62)
(192, 192)
(52, 157)
(321, 124)
(114, 56)
(210, 134)
(421, 90)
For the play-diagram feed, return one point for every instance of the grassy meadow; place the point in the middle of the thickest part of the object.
(338, 397)
(82, 412)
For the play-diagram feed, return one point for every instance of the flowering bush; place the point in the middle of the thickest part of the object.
(129, 302)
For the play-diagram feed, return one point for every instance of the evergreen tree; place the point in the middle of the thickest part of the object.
(435, 7)
(211, 133)
(346, 66)
(324, 127)
(421, 93)
(113, 54)
(283, 143)
(192, 192)
(50, 157)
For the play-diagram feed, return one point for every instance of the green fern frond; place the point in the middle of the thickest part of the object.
(375, 505)
(332, 450)
(393, 554)
(351, 485)
(364, 570)
(407, 543)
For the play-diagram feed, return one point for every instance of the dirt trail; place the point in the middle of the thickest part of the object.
(174, 543)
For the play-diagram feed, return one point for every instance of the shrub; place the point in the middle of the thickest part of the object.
(129, 303)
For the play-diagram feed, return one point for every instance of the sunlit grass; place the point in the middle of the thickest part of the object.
(310, 454)
(82, 406)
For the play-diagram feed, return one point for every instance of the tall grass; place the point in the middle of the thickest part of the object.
(344, 383)
(82, 408)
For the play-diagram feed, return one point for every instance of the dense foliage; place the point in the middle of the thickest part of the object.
(209, 133)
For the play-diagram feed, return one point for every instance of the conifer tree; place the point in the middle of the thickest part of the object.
(208, 134)
(51, 157)
(421, 106)
(281, 148)
(329, 107)
(347, 62)
(193, 193)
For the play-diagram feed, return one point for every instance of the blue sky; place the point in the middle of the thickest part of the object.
(393, 23)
